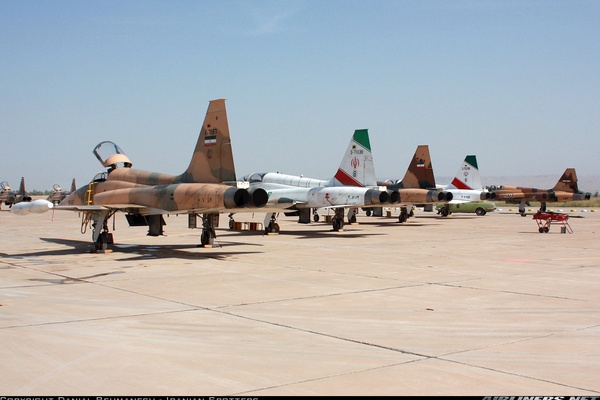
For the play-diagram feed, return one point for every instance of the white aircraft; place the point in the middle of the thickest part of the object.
(466, 185)
(353, 185)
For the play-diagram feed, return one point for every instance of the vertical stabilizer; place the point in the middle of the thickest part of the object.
(73, 186)
(22, 187)
(212, 161)
(420, 172)
(567, 182)
(467, 177)
(356, 168)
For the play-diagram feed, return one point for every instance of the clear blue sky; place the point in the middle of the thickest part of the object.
(515, 82)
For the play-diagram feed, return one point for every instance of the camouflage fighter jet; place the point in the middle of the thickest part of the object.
(418, 185)
(466, 186)
(565, 190)
(58, 194)
(352, 186)
(10, 197)
(207, 187)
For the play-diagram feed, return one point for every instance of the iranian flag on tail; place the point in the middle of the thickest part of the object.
(210, 140)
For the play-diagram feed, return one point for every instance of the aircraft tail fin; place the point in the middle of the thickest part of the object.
(420, 172)
(22, 187)
(567, 182)
(73, 186)
(467, 177)
(356, 168)
(212, 161)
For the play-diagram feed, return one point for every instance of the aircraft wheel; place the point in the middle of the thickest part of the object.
(337, 224)
(205, 238)
(231, 224)
(546, 229)
(368, 212)
(352, 219)
(102, 242)
(273, 227)
(480, 211)
(316, 217)
(541, 230)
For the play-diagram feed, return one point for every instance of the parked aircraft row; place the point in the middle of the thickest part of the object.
(209, 187)
(10, 197)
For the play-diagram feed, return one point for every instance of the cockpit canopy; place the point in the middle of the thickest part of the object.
(254, 177)
(111, 156)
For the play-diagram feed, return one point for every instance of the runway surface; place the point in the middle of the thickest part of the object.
(463, 305)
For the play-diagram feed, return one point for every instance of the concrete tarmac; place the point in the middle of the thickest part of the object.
(463, 305)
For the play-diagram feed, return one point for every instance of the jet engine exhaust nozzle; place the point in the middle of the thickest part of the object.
(373, 196)
(259, 198)
(236, 198)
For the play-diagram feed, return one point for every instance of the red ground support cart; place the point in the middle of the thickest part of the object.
(545, 219)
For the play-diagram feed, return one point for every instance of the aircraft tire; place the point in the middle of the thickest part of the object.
(337, 224)
(205, 238)
(102, 242)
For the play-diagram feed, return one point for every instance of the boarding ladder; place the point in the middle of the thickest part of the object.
(88, 200)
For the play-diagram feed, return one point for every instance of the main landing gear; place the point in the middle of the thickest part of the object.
(271, 225)
(444, 211)
(404, 214)
(338, 220)
(100, 234)
(208, 235)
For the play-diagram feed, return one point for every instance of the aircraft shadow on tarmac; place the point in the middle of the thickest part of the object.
(394, 223)
(303, 234)
(137, 252)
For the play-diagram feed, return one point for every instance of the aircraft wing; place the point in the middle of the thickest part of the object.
(343, 206)
(144, 210)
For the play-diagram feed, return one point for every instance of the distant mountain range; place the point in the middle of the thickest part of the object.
(586, 183)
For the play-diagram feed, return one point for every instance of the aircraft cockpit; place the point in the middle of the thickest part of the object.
(111, 156)
(5, 186)
(254, 177)
(100, 177)
(494, 187)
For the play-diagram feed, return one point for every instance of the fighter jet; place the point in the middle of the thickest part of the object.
(352, 186)
(207, 187)
(10, 197)
(466, 186)
(418, 185)
(565, 190)
(58, 194)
